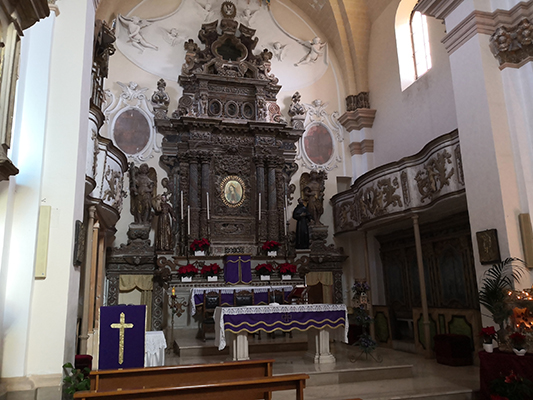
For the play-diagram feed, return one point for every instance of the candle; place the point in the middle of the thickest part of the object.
(188, 220)
(208, 206)
(182, 216)
(259, 206)
(173, 291)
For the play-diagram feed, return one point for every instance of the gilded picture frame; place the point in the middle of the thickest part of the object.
(488, 247)
(232, 191)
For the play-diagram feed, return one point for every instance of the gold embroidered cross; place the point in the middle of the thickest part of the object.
(122, 325)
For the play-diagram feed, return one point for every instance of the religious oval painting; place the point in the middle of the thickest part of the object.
(131, 131)
(232, 191)
(318, 144)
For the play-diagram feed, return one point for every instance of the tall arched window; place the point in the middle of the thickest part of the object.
(412, 43)
(420, 41)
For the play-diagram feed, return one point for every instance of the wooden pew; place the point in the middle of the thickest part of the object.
(242, 389)
(178, 375)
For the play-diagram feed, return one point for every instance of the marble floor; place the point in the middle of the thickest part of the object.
(393, 375)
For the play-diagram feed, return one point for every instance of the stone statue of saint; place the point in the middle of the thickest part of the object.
(165, 222)
(142, 190)
(312, 187)
(302, 216)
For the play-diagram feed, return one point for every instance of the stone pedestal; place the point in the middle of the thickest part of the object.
(318, 347)
(238, 346)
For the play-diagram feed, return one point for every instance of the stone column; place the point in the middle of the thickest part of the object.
(261, 199)
(423, 294)
(193, 198)
(272, 201)
(204, 223)
(84, 331)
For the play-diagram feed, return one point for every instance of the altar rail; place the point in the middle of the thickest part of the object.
(243, 389)
(171, 376)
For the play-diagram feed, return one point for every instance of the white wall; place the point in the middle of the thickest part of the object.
(406, 121)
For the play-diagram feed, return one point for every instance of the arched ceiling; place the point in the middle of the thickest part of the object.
(345, 24)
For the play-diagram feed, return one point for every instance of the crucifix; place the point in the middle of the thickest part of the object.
(122, 325)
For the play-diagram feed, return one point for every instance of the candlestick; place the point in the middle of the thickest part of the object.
(208, 206)
(173, 291)
(188, 220)
(182, 216)
(259, 206)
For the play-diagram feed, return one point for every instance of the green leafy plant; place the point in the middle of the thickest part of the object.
(76, 379)
(497, 281)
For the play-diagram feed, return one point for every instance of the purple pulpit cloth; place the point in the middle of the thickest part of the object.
(238, 269)
(122, 337)
(281, 317)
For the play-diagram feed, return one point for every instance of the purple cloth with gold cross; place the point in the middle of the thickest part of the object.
(126, 325)
(300, 317)
(238, 269)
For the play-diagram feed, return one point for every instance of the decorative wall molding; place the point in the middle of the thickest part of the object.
(410, 184)
(437, 8)
(481, 22)
(362, 147)
(358, 119)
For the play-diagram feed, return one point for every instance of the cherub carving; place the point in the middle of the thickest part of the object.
(131, 91)
(246, 16)
(134, 25)
(277, 50)
(171, 36)
(315, 47)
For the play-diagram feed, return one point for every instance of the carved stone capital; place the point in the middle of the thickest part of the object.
(358, 119)
(357, 101)
(513, 45)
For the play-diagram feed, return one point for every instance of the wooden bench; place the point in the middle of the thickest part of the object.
(242, 389)
(178, 375)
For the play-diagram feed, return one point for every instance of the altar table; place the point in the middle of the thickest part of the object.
(317, 319)
(154, 349)
(226, 294)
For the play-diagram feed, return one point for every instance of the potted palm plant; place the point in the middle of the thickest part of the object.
(495, 285)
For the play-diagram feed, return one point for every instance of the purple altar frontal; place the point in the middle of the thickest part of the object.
(238, 269)
(122, 337)
(303, 317)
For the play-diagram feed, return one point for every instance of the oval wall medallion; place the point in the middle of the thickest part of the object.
(131, 131)
(318, 144)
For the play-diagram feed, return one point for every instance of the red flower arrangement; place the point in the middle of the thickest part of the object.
(271, 245)
(511, 387)
(210, 270)
(488, 333)
(287, 269)
(187, 270)
(518, 341)
(200, 244)
(264, 269)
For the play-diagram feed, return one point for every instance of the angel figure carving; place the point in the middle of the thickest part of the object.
(143, 191)
(278, 49)
(171, 36)
(315, 47)
(134, 25)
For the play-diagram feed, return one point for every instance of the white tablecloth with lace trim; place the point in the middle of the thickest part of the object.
(154, 349)
(303, 317)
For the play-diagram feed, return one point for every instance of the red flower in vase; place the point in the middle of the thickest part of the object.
(200, 244)
(287, 269)
(271, 245)
(210, 270)
(264, 269)
(187, 270)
